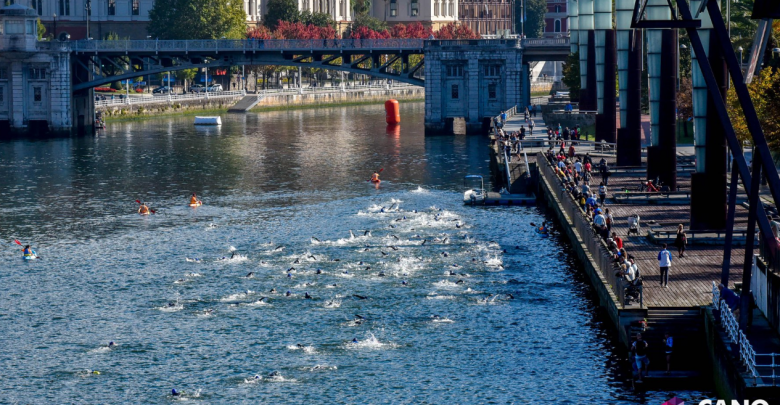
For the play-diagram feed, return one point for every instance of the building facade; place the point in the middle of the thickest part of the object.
(556, 24)
(488, 17)
(129, 18)
(430, 13)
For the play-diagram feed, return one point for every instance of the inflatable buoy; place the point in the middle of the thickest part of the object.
(392, 112)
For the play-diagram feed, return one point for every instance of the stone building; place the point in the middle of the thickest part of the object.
(128, 18)
(35, 77)
(430, 13)
(488, 17)
(556, 19)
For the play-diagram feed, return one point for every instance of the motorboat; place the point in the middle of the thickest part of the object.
(475, 190)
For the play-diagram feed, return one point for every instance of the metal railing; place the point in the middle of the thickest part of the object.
(171, 98)
(166, 98)
(746, 353)
(216, 45)
(544, 42)
(594, 244)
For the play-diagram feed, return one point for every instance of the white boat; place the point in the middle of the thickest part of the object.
(208, 121)
(475, 193)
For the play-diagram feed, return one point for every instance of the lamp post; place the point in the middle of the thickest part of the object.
(740, 50)
(88, 10)
(54, 31)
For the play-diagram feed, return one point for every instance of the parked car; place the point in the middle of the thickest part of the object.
(197, 88)
(161, 90)
(215, 87)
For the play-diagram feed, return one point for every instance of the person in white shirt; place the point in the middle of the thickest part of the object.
(664, 262)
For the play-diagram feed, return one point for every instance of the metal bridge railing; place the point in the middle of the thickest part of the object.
(243, 45)
(216, 45)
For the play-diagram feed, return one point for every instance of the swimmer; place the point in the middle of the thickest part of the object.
(175, 393)
(312, 257)
(423, 242)
(367, 233)
(257, 377)
(300, 346)
(381, 274)
(291, 269)
(459, 282)
(336, 260)
(296, 261)
(274, 374)
(403, 282)
(319, 271)
(171, 304)
(452, 273)
(361, 297)
(367, 268)
(458, 226)
(383, 253)
(273, 291)
(250, 274)
(307, 296)
(279, 248)
(354, 340)
(393, 247)
(289, 275)
(111, 345)
(510, 296)
(287, 294)
(315, 239)
(444, 254)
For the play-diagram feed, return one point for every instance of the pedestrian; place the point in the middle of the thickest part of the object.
(602, 192)
(668, 343)
(503, 117)
(731, 298)
(605, 172)
(536, 107)
(639, 349)
(571, 151)
(664, 262)
(618, 240)
(681, 241)
(609, 220)
(531, 126)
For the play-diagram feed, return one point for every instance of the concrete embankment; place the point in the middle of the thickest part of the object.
(272, 101)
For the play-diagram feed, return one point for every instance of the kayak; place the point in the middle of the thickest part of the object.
(197, 204)
(32, 257)
(377, 181)
(144, 213)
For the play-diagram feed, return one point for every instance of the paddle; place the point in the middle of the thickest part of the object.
(150, 210)
(20, 244)
(380, 171)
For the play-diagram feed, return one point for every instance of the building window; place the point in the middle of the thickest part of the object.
(415, 8)
(557, 9)
(454, 71)
(452, 10)
(492, 70)
(2, 95)
(393, 8)
(3, 73)
(111, 7)
(455, 94)
(37, 73)
(136, 7)
(38, 6)
(64, 7)
(37, 94)
(435, 8)
(557, 25)
(14, 27)
(492, 91)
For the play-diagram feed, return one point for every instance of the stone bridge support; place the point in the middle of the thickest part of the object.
(472, 81)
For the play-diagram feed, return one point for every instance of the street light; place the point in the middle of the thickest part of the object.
(55, 25)
(88, 10)
(740, 50)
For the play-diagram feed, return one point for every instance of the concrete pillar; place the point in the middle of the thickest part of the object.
(585, 22)
(526, 83)
(602, 20)
(473, 120)
(662, 158)
(629, 143)
(656, 10)
(623, 12)
(708, 183)
(572, 7)
(588, 100)
(606, 120)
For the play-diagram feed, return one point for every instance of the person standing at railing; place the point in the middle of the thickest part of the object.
(731, 299)
(681, 240)
(503, 117)
(664, 262)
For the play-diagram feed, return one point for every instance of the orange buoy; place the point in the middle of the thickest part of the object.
(393, 114)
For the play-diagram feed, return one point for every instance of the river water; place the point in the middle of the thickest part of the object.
(458, 304)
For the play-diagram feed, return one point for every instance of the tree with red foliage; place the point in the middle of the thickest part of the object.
(413, 30)
(259, 32)
(451, 31)
(363, 32)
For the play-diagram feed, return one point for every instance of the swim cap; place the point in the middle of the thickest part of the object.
(174, 392)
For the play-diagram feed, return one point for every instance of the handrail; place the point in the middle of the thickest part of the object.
(508, 172)
(593, 243)
(747, 355)
(244, 45)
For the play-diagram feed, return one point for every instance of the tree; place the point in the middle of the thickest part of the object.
(534, 24)
(316, 19)
(451, 31)
(361, 7)
(197, 19)
(369, 22)
(571, 75)
(765, 93)
(41, 30)
(259, 32)
(281, 10)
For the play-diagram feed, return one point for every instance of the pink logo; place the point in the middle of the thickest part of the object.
(674, 401)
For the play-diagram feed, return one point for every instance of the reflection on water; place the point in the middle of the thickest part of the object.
(296, 281)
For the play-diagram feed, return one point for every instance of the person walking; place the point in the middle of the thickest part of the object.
(681, 241)
(664, 262)
(602, 192)
(639, 350)
(531, 126)
(668, 344)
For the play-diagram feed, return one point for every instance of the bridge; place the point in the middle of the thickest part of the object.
(50, 83)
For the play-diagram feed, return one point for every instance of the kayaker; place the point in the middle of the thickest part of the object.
(375, 178)
(543, 228)
(194, 200)
(28, 252)
(143, 209)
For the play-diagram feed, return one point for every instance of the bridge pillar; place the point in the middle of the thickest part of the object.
(472, 81)
(35, 82)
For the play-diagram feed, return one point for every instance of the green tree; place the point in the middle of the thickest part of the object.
(364, 20)
(281, 10)
(197, 19)
(765, 93)
(361, 7)
(41, 30)
(318, 19)
(571, 75)
(534, 23)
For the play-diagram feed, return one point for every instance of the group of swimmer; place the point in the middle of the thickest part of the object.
(144, 209)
